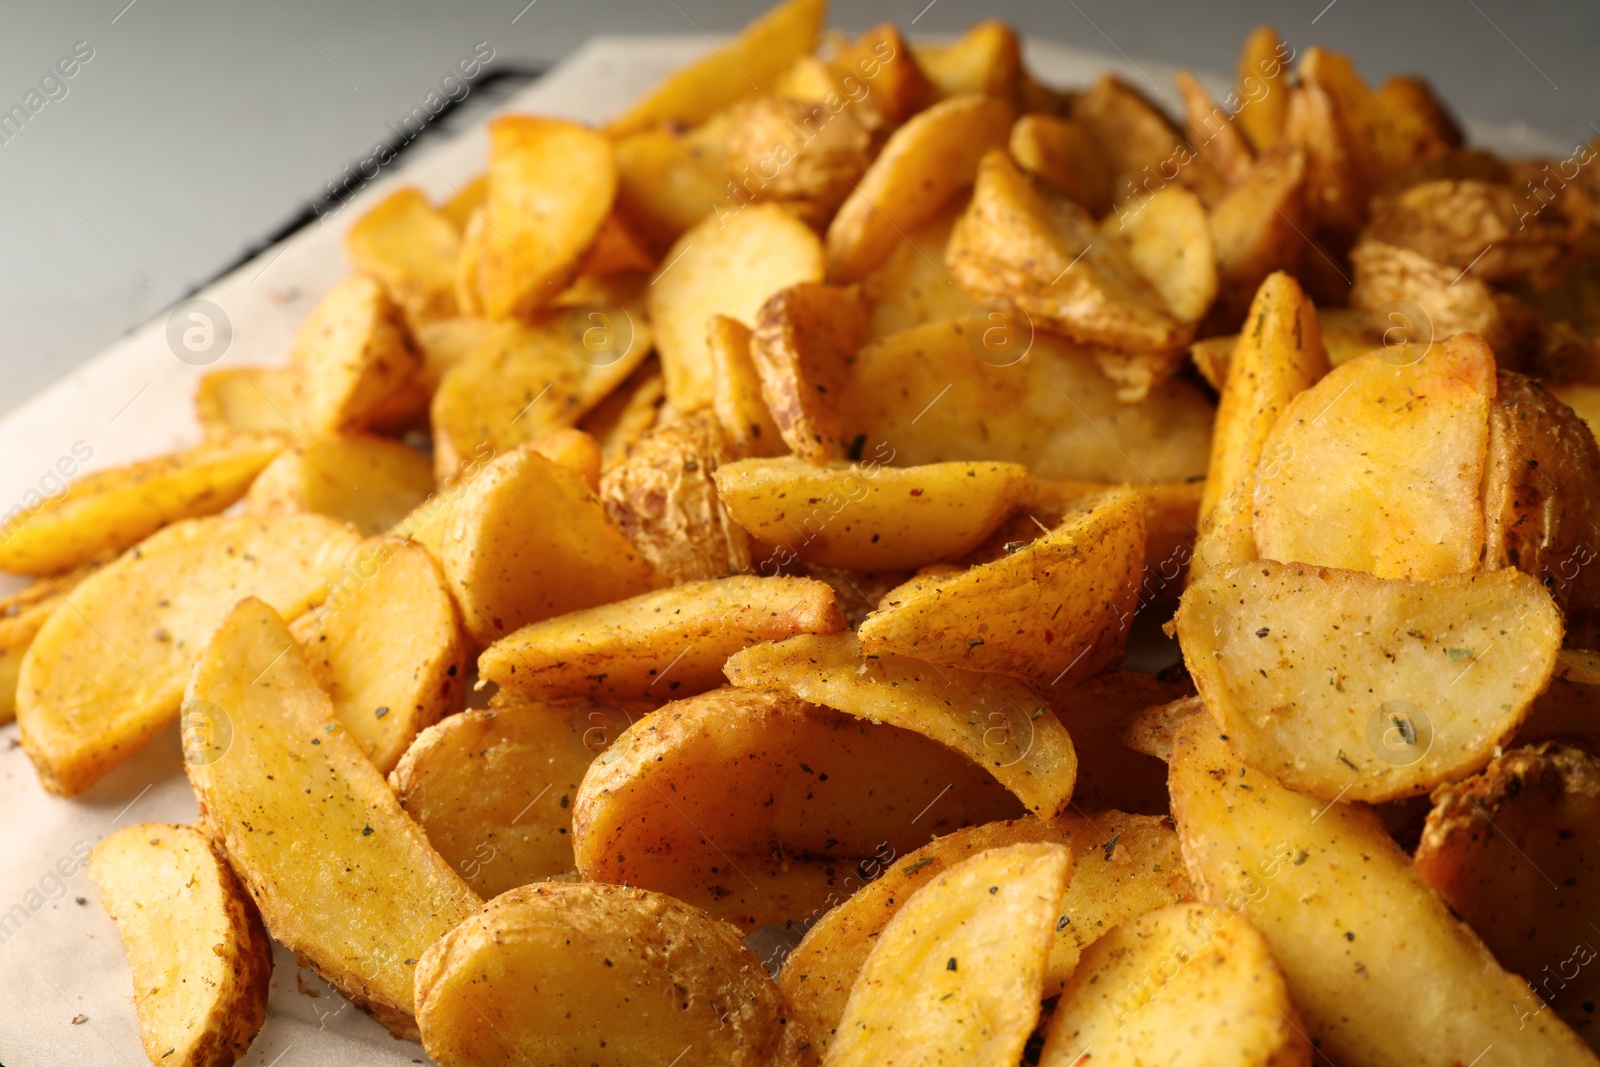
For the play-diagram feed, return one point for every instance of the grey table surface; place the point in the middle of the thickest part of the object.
(189, 130)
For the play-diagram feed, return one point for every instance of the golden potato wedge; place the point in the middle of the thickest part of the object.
(1219, 143)
(1053, 610)
(1512, 852)
(1468, 224)
(871, 517)
(1258, 227)
(603, 976)
(1171, 517)
(1168, 241)
(22, 614)
(668, 180)
(627, 414)
(446, 343)
(409, 246)
(1380, 466)
(245, 400)
(1154, 731)
(469, 200)
(662, 498)
(106, 675)
(1336, 177)
(257, 730)
(357, 366)
(986, 59)
(1263, 62)
(1361, 938)
(619, 249)
(1133, 135)
(736, 398)
(575, 450)
(797, 153)
(658, 646)
(943, 392)
(958, 973)
(370, 482)
(1111, 775)
(805, 337)
(1279, 356)
(727, 266)
(670, 806)
(387, 686)
(551, 187)
(1340, 683)
(1063, 153)
(923, 166)
(526, 540)
(109, 510)
(893, 85)
(200, 958)
(999, 723)
(1187, 985)
(1130, 865)
(493, 788)
(532, 380)
(747, 65)
(911, 286)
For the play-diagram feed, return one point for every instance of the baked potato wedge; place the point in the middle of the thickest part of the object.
(355, 364)
(804, 340)
(911, 286)
(370, 482)
(409, 247)
(248, 400)
(736, 401)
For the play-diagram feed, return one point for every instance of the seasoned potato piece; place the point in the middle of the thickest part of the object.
(1219, 142)
(245, 400)
(551, 186)
(896, 86)
(657, 646)
(1279, 356)
(526, 540)
(1053, 610)
(1497, 847)
(1258, 227)
(1111, 775)
(1132, 132)
(445, 343)
(617, 250)
(729, 266)
(1063, 153)
(1336, 190)
(369, 482)
(939, 393)
(997, 722)
(747, 65)
(736, 398)
(986, 59)
(623, 417)
(258, 729)
(493, 788)
(669, 180)
(387, 686)
(1189, 985)
(669, 805)
(923, 166)
(467, 201)
(1260, 81)
(1360, 936)
(1154, 731)
(200, 958)
(1130, 865)
(871, 517)
(576, 451)
(1380, 466)
(911, 286)
(804, 340)
(107, 675)
(797, 153)
(599, 976)
(1344, 684)
(21, 616)
(1168, 241)
(109, 510)
(664, 501)
(1171, 516)
(409, 247)
(957, 975)
(1484, 226)
(357, 366)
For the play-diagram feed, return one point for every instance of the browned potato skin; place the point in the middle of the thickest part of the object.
(736, 398)
(1476, 224)
(1063, 153)
(1131, 132)
(1497, 847)
(166, 924)
(804, 338)
(600, 976)
(819, 156)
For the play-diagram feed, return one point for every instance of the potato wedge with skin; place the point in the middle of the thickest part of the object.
(1279, 356)
(1361, 938)
(526, 540)
(1130, 864)
(1344, 684)
(1466, 224)
(1188, 985)
(1260, 80)
(493, 788)
(999, 723)
(871, 517)
(200, 958)
(747, 65)
(670, 804)
(1111, 775)
(1053, 611)
(736, 398)
(409, 247)
(112, 509)
(599, 976)
(257, 729)
(923, 166)
(957, 976)
(797, 153)
(369, 482)
(245, 400)
(627, 414)
(1051, 410)
(1133, 135)
(1257, 228)
(1379, 467)
(445, 343)
(1168, 241)
(357, 366)
(576, 451)
(804, 339)
(658, 646)
(986, 59)
(22, 614)
(728, 266)
(669, 180)
(1491, 842)
(107, 675)
(1212, 131)
(1171, 517)
(387, 685)
(1063, 153)
(911, 286)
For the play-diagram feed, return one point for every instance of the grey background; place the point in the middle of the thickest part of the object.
(199, 127)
